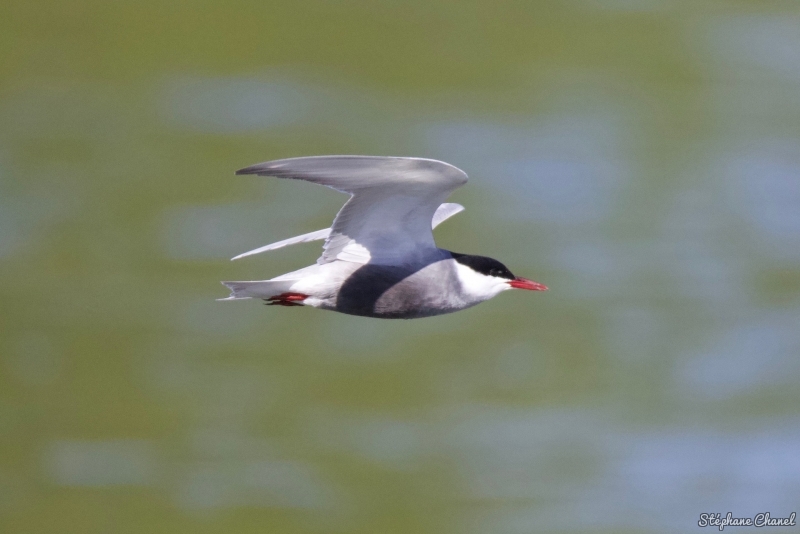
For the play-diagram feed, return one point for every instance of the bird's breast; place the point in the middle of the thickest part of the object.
(400, 291)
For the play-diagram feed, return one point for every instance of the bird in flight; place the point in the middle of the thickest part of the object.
(379, 258)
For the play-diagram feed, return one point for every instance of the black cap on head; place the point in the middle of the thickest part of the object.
(484, 265)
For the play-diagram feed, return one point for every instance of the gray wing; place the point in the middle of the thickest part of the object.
(389, 215)
(305, 238)
(444, 212)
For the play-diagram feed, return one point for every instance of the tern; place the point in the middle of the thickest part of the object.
(379, 258)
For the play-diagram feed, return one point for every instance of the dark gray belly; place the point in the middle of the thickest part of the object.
(390, 292)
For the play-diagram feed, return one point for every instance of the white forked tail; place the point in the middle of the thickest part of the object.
(262, 289)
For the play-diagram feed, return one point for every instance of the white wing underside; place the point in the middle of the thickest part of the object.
(391, 211)
(444, 212)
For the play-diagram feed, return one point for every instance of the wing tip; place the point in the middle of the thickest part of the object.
(253, 169)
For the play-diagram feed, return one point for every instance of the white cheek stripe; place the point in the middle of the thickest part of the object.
(477, 286)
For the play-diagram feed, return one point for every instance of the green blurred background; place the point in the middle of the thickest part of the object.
(640, 157)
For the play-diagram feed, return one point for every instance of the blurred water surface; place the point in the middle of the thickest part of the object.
(640, 157)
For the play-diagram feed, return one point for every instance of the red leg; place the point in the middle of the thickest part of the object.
(286, 299)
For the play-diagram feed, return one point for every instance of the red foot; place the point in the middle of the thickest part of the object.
(286, 299)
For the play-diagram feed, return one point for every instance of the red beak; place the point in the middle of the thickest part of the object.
(524, 283)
